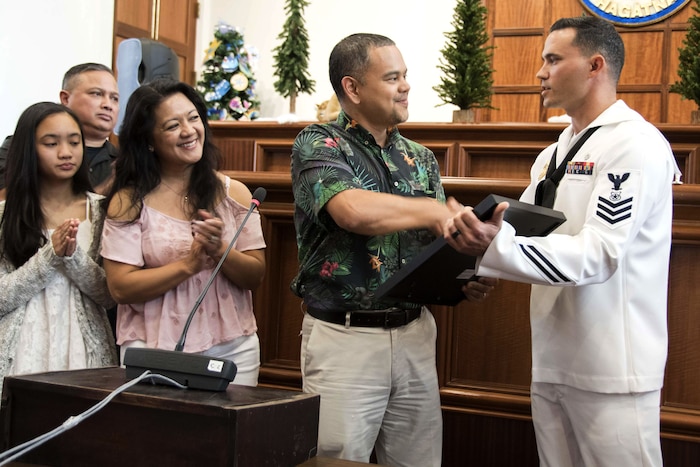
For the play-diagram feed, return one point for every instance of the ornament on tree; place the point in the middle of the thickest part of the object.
(229, 64)
(211, 50)
(227, 83)
(239, 82)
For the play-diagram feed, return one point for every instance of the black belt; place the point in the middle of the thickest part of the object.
(389, 318)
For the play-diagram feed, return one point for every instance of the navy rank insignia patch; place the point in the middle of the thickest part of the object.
(615, 208)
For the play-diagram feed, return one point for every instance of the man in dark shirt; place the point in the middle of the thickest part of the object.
(90, 90)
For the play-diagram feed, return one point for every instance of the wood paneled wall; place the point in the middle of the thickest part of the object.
(483, 349)
(518, 30)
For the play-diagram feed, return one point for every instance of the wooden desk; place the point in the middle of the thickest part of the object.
(156, 425)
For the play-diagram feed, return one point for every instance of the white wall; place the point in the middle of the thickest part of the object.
(41, 39)
(417, 27)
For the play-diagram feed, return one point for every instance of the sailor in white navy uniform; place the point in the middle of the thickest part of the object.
(599, 293)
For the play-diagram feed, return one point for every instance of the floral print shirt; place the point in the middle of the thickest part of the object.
(340, 270)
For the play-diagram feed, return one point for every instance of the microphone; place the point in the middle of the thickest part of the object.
(191, 370)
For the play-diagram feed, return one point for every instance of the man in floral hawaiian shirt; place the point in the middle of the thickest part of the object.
(367, 200)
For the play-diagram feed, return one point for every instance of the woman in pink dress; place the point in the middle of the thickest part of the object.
(170, 218)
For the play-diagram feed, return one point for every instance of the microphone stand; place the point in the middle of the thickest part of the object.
(255, 203)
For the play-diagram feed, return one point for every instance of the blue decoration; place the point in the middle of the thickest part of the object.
(229, 64)
(246, 70)
(222, 88)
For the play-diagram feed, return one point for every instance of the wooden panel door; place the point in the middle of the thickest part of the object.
(172, 22)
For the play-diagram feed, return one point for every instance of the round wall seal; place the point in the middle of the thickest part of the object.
(634, 12)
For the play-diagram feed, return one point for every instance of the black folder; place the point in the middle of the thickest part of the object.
(436, 275)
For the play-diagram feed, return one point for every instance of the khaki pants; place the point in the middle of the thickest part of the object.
(378, 389)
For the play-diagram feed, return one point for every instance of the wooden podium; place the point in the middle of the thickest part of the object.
(151, 425)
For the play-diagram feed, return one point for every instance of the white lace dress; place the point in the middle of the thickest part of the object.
(52, 309)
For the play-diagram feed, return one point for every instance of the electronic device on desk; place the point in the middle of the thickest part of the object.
(192, 370)
(436, 275)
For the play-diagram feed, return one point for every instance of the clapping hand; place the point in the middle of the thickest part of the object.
(207, 232)
(64, 239)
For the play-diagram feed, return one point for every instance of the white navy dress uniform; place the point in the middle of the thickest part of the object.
(599, 295)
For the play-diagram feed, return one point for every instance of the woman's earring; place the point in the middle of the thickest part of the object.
(150, 148)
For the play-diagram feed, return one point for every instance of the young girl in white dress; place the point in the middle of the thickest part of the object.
(53, 291)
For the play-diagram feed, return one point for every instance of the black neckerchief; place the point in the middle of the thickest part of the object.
(547, 188)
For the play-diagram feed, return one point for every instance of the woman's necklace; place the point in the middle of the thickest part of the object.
(174, 191)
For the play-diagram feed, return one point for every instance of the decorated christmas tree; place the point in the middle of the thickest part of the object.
(292, 55)
(227, 84)
(466, 59)
(688, 86)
